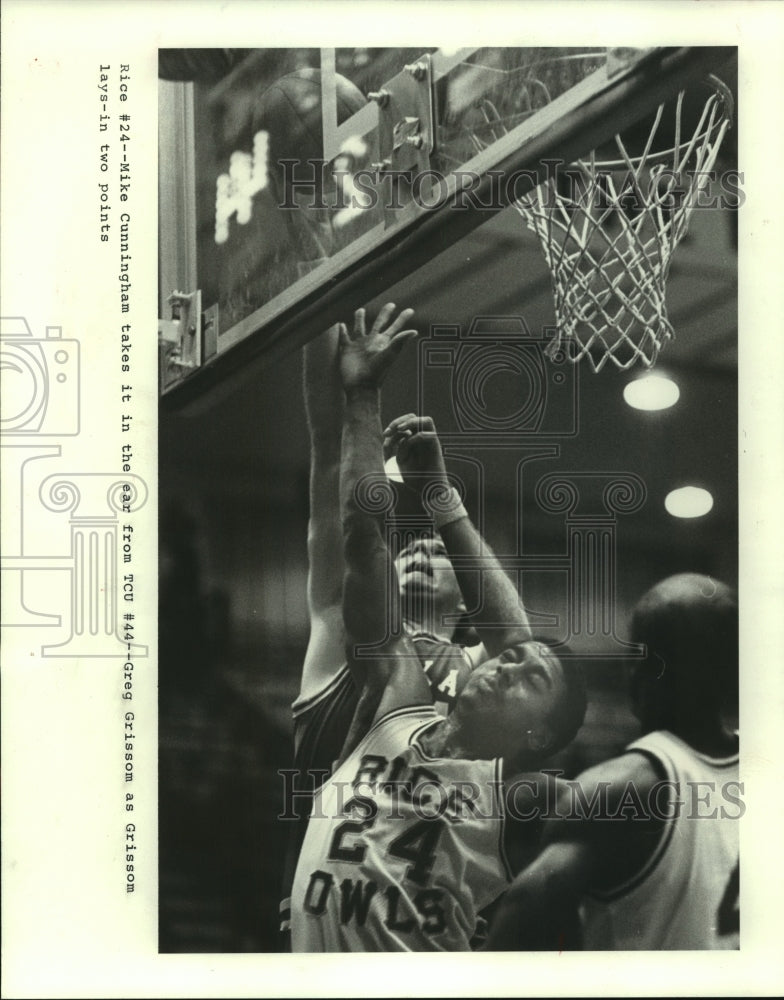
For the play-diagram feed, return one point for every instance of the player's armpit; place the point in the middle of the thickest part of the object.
(326, 652)
(364, 715)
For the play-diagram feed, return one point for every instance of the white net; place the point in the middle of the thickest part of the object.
(609, 228)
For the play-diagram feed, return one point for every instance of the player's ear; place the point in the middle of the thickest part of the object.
(540, 739)
(647, 690)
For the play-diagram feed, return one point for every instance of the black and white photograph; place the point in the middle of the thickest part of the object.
(391, 444)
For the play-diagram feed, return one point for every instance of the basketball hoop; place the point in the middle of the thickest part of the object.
(609, 227)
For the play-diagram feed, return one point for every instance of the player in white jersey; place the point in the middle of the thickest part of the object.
(325, 708)
(649, 847)
(408, 838)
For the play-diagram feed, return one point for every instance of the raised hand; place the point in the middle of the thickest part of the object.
(365, 358)
(414, 443)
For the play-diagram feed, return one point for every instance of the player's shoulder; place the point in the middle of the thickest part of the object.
(609, 805)
(634, 766)
(612, 812)
(396, 731)
(622, 787)
(547, 790)
(432, 648)
(427, 643)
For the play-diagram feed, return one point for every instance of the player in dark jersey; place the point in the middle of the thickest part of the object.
(327, 698)
(649, 848)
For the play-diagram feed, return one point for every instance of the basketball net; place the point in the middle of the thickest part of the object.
(609, 228)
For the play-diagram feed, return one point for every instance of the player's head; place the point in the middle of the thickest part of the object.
(689, 626)
(428, 586)
(523, 705)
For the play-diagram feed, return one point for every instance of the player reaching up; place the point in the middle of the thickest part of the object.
(326, 714)
(408, 839)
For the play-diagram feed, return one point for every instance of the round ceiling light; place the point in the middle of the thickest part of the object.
(651, 392)
(688, 501)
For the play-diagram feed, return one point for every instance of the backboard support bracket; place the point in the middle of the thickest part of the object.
(188, 338)
(406, 135)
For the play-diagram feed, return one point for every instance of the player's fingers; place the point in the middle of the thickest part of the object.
(399, 341)
(390, 438)
(343, 337)
(400, 321)
(381, 320)
(395, 440)
(401, 434)
(395, 437)
(402, 421)
(410, 422)
(422, 437)
(359, 323)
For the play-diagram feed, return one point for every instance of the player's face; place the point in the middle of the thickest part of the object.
(425, 574)
(507, 701)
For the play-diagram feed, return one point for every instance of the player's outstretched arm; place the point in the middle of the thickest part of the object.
(323, 396)
(495, 607)
(370, 581)
(365, 358)
(598, 835)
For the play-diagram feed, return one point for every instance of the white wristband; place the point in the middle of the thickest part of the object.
(445, 506)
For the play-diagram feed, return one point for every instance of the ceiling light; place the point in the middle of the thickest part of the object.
(688, 501)
(651, 392)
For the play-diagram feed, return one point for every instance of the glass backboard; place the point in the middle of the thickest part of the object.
(295, 182)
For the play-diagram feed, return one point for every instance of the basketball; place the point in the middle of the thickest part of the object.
(290, 112)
